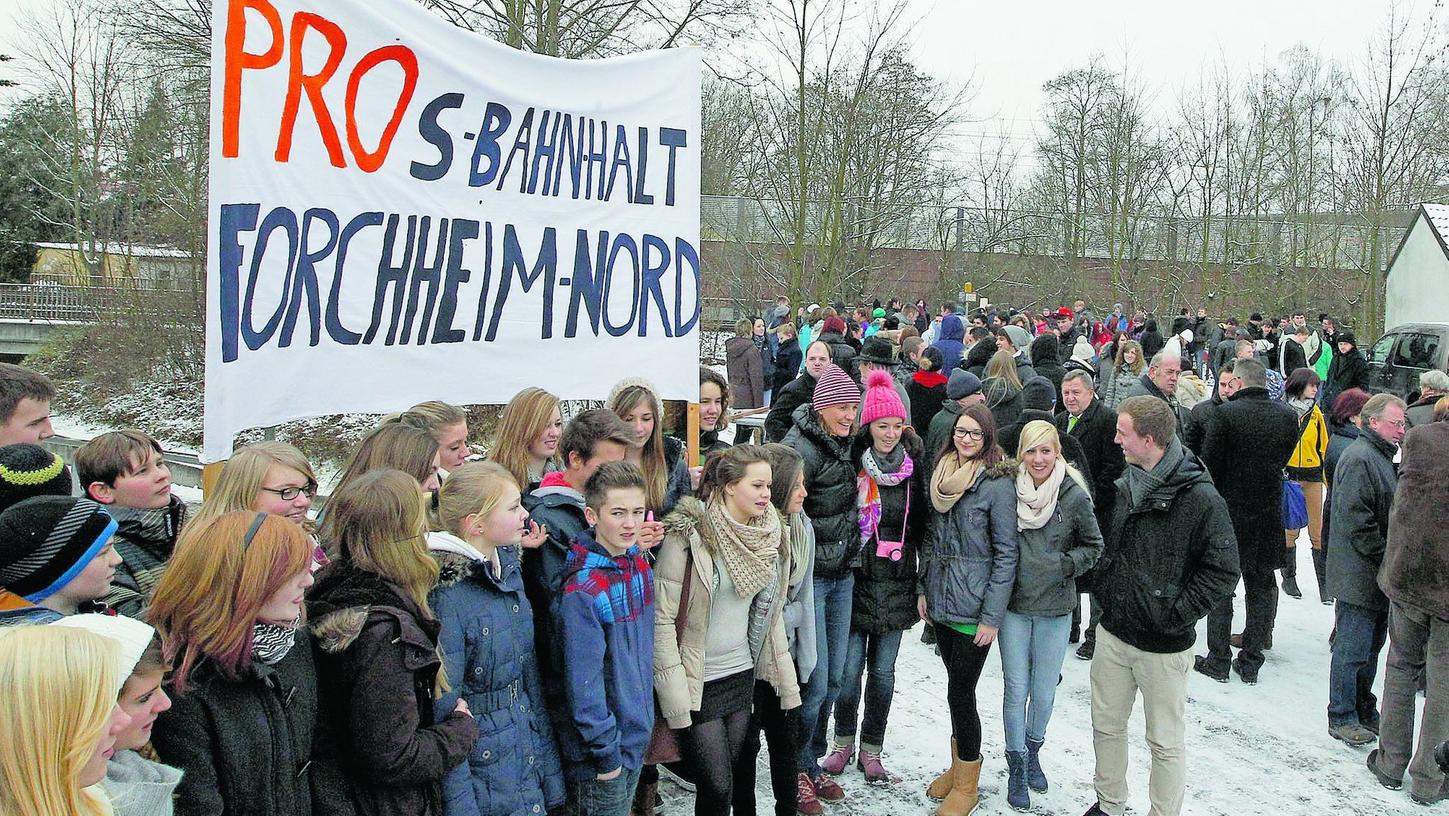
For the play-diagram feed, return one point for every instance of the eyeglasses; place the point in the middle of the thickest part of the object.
(962, 433)
(1398, 423)
(291, 492)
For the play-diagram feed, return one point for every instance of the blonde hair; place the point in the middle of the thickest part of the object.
(1037, 432)
(60, 692)
(524, 420)
(656, 473)
(438, 415)
(215, 586)
(1002, 365)
(476, 487)
(1137, 366)
(243, 475)
(744, 327)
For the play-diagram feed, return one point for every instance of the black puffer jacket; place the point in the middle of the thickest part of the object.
(781, 417)
(978, 354)
(1168, 560)
(885, 590)
(253, 745)
(842, 353)
(377, 669)
(830, 480)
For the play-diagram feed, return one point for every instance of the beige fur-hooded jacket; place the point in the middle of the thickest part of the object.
(679, 661)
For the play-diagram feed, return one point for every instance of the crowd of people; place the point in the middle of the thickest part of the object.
(547, 625)
(1153, 471)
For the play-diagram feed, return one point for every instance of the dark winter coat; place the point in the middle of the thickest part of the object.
(842, 353)
(746, 374)
(1338, 442)
(885, 591)
(969, 555)
(1045, 351)
(1199, 421)
(559, 509)
(377, 669)
(977, 357)
(939, 431)
(1004, 399)
(787, 365)
(144, 539)
(679, 484)
(927, 390)
(1245, 450)
(489, 657)
(1421, 412)
(1152, 341)
(830, 481)
(1096, 430)
(1223, 352)
(1167, 561)
(1416, 561)
(1054, 556)
(767, 359)
(254, 745)
(1346, 371)
(951, 341)
(783, 403)
(1364, 482)
(1293, 356)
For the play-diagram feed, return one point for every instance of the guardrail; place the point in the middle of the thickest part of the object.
(185, 467)
(66, 303)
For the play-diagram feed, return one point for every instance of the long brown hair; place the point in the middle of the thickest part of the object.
(382, 529)
(1002, 365)
(524, 420)
(651, 460)
(215, 586)
(391, 445)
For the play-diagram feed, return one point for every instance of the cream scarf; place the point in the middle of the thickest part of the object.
(1036, 504)
(952, 478)
(749, 551)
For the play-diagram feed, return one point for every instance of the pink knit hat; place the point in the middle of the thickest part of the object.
(881, 399)
(834, 387)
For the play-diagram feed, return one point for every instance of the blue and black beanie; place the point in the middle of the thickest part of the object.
(46, 541)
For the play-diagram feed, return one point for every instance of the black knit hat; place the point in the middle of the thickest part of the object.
(45, 542)
(29, 470)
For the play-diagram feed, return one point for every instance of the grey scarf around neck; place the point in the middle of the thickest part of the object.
(1142, 483)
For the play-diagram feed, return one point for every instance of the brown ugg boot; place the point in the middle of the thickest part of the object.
(963, 798)
(942, 784)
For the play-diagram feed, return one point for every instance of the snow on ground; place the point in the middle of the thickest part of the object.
(1261, 749)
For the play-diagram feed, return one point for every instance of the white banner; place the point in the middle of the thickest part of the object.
(401, 210)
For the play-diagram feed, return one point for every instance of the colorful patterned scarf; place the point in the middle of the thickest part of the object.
(867, 488)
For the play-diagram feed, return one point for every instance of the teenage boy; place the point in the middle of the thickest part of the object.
(125, 471)
(56, 559)
(605, 619)
(25, 397)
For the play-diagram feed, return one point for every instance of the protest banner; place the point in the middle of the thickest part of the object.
(403, 210)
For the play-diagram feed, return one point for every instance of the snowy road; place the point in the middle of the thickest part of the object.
(1260, 749)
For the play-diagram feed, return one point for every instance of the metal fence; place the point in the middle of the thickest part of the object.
(64, 303)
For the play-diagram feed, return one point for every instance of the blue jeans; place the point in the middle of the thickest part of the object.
(1359, 635)
(832, 637)
(880, 651)
(1032, 650)
(595, 797)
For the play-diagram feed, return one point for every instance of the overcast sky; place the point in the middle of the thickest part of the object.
(1013, 47)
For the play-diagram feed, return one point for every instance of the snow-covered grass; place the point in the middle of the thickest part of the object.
(1261, 749)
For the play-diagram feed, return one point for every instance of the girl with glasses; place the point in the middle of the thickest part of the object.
(267, 477)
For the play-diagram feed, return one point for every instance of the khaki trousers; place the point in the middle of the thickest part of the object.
(1119, 672)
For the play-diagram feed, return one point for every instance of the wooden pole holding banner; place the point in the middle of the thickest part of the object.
(692, 434)
(209, 474)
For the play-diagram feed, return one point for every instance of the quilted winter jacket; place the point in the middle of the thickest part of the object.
(969, 555)
(884, 598)
(679, 659)
(830, 481)
(488, 653)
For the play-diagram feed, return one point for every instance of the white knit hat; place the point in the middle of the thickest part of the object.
(133, 636)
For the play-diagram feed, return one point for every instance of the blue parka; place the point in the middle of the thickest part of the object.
(488, 653)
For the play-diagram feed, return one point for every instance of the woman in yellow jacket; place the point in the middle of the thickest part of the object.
(730, 552)
(1306, 468)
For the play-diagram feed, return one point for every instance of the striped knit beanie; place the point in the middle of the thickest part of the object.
(29, 470)
(834, 387)
(45, 542)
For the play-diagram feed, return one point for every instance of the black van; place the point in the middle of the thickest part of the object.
(1396, 360)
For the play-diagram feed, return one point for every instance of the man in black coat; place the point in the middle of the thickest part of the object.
(1294, 354)
(779, 420)
(1204, 414)
(1348, 370)
(1245, 449)
(1092, 424)
(1364, 484)
(1169, 558)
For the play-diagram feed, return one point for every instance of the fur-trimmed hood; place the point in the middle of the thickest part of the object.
(346, 599)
